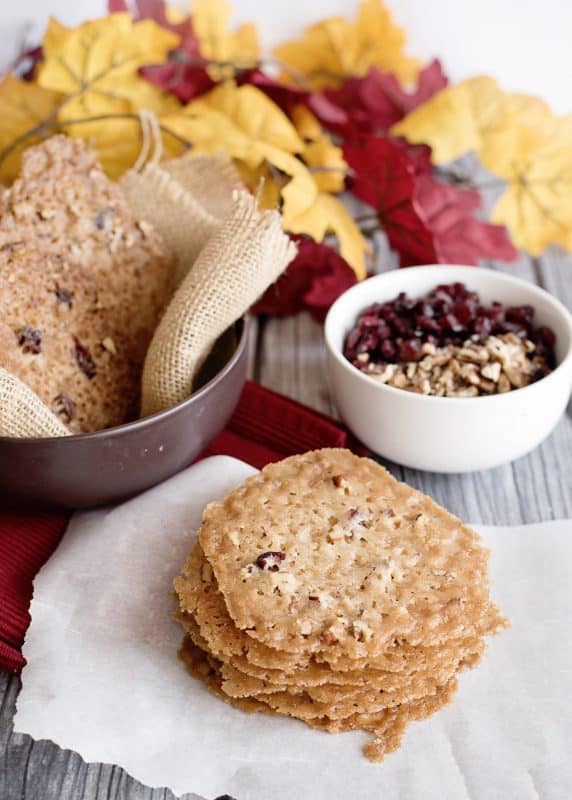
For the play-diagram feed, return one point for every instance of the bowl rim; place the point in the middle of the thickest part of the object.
(535, 291)
(144, 422)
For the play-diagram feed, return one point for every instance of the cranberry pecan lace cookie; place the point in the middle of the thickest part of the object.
(324, 589)
(82, 286)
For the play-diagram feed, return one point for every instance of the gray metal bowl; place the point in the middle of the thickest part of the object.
(110, 465)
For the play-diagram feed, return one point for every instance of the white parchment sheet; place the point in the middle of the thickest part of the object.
(103, 677)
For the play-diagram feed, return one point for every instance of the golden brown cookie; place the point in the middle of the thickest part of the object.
(327, 553)
(82, 287)
(325, 590)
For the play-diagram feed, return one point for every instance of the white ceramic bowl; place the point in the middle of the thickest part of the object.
(444, 434)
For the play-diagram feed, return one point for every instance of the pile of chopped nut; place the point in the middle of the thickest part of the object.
(494, 366)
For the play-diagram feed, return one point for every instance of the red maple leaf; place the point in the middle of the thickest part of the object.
(374, 102)
(425, 220)
(313, 280)
(458, 236)
(284, 95)
(184, 74)
(184, 80)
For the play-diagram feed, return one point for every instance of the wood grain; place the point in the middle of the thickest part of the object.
(287, 355)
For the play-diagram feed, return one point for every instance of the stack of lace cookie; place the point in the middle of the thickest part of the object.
(324, 589)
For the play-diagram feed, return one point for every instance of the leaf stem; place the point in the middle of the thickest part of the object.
(52, 124)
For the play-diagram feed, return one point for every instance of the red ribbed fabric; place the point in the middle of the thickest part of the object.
(265, 427)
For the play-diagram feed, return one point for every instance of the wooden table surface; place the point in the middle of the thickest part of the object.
(287, 356)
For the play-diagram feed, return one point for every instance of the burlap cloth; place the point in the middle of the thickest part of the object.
(228, 253)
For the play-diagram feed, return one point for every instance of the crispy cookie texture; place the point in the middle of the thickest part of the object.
(364, 560)
(83, 284)
(324, 590)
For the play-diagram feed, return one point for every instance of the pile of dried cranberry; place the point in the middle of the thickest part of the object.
(394, 332)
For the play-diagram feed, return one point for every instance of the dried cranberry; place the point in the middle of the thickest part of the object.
(388, 350)
(482, 327)
(448, 315)
(65, 406)
(63, 296)
(410, 350)
(84, 360)
(546, 335)
(30, 340)
(270, 560)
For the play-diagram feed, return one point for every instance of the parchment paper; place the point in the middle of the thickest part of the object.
(103, 677)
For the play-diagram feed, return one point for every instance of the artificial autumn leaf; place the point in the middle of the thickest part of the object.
(536, 161)
(458, 236)
(23, 106)
(182, 79)
(456, 120)
(326, 164)
(307, 210)
(167, 18)
(243, 122)
(117, 143)
(305, 122)
(313, 281)
(375, 102)
(96, 65)
(262, 182)
(425, 221)
(336, 48)
(211, 23)
(184, 74)
(24, 65)
(285, 96)
(384, 178)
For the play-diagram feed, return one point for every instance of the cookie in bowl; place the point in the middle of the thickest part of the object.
(83, 284)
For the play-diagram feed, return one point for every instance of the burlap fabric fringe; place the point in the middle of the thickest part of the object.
(23, 414)
(246, 254)
(186, 199)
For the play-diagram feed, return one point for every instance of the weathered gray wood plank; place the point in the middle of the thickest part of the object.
(31, 770)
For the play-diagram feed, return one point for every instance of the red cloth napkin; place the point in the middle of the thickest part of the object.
(265, 427)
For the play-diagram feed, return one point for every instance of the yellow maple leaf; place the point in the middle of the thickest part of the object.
(23, 106)
(116, 143)
(307, 210)
(326, 164)
(536, 161)
(337, 48)
(244, 122)
(211, 24)
(456, 119)
(261, 181)
(306, 122)
(96, 65)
